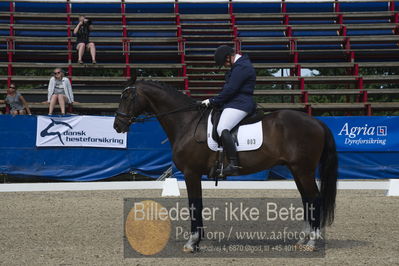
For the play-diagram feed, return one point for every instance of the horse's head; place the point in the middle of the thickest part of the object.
(131, 105)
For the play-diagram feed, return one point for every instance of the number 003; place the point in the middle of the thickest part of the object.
(251, 141)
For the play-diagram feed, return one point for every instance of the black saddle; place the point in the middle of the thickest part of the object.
(249, 119)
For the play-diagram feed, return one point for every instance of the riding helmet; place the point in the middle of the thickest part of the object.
(221, 53)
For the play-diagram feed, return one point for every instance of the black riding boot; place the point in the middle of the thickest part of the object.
(231, 153)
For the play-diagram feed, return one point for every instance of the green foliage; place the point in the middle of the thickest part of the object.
(386, 71)
(156, 72)
(153, 73)
(271, 98)
(97, 72)
(266, 72)
(329, 86)
(335, 98)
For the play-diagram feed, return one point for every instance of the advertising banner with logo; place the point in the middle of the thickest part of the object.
(368, 147)
(365, 133)
(78, 131)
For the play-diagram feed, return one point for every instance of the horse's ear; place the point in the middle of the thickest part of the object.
(133, 76)
(132, 80)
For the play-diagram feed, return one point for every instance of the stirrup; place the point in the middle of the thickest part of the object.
(216, 173)
(230, 170)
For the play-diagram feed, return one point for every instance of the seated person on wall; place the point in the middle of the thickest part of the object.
(82, 32)
(18, 104)
(59, 90)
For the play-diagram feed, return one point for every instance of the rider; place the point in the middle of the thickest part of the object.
(235, 99)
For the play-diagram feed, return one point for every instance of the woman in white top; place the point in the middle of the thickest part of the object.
(59, 89)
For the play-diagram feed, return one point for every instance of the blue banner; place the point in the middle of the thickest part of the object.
(370, 133)
(368, 147)
(147, 153)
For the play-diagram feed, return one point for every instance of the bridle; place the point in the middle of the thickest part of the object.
(118, 113)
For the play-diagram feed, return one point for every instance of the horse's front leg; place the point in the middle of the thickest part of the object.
(194, 191)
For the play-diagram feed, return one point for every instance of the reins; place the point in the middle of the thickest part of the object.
(190, 107)
(143, 118)
(202, 111)
(148, 117)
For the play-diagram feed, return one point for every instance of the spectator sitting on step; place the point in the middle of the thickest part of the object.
(82, 32)
(59, 89)
(18, 104)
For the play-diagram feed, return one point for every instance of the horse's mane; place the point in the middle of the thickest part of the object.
(169, 89)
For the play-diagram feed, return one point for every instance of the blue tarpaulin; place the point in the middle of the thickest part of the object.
(145, 154)
(368, 147)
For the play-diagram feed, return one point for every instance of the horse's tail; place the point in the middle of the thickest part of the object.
(328, 170)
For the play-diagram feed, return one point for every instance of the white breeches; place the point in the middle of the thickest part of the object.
(229, 119)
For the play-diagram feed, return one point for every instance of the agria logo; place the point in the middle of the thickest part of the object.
(382, 131)
(45, 132)
(364, 135)
(355, 131)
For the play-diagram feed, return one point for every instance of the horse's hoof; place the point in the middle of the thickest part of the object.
(189, 249)
(192, 245)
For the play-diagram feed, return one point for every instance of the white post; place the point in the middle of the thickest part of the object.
(170, 188)
(393, 189)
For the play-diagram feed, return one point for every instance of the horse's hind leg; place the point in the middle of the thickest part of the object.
(306, 183)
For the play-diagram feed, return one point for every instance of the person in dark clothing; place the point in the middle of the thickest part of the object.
(235, 99)
(82, 32)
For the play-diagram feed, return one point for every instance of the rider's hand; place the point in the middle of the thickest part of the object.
(206, 102)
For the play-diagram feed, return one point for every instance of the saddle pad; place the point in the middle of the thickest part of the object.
(250, 137)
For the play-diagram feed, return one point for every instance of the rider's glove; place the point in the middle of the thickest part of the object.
(206, 102)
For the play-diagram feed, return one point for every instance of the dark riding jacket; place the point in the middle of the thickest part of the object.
(239, 88)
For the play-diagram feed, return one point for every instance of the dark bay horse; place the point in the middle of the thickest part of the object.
(290, 138)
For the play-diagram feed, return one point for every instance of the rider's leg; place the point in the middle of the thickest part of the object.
(228, 120)
(231, 154)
